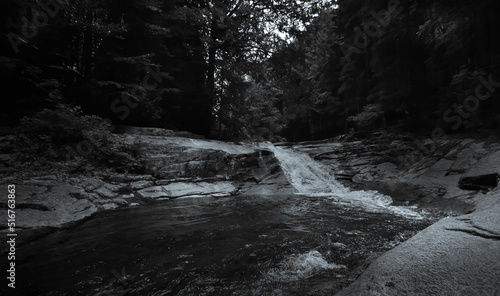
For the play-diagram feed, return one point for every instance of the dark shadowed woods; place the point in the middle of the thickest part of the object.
(262, 70)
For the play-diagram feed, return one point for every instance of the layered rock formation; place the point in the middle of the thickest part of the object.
(460, 254)
(172, 167)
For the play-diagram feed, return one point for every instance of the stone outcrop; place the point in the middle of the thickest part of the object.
(456, 256)
(173, 158)
(48, 202)
(460, 254)
(388, 162)
(174, 167)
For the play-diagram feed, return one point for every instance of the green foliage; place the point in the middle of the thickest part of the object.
(49, 132)
(124, 157)
(369, 118)
(260, 119)
(65, 124)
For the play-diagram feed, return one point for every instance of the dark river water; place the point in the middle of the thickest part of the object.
(275, 245)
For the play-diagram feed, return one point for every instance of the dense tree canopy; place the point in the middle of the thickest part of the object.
(256, 69)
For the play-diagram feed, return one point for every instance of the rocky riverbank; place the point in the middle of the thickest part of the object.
(447, 179)
(459, 255)
(455, 256)
(459, 179)
(170, 167)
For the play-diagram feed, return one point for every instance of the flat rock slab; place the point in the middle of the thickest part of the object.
(153, 192)
(184, 189)
(194, 144)
(55, 205)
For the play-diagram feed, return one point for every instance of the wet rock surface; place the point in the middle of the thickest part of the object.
(185, 189)
(456, 256)
(459, 255)
(173, 167)
(397, 167)
(50, 203)
(457, 179)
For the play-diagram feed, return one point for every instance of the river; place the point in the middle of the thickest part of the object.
(311, 243)
(207, 246)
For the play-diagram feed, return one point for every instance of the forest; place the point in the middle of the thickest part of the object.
(251, 69)
(250, 147)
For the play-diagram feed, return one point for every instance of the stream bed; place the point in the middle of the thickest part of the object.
(242, 245)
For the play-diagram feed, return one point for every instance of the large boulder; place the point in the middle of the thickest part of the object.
(176, 158)
(456, 256)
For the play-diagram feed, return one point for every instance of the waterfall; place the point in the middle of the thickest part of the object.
(306, 175)
(311, 178)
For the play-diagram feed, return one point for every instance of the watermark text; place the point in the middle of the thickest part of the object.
(11, 235)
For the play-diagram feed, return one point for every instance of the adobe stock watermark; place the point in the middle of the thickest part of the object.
(371, 29)
(139, 92)
(40, 18)
(123, 106)
(460, 112)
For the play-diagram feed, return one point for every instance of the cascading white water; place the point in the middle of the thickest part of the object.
(306, 175)
(311, 178)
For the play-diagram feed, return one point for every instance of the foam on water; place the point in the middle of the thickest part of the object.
(301, 266)
(311, 178)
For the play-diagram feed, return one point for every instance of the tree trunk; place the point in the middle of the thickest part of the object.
(212, 52)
